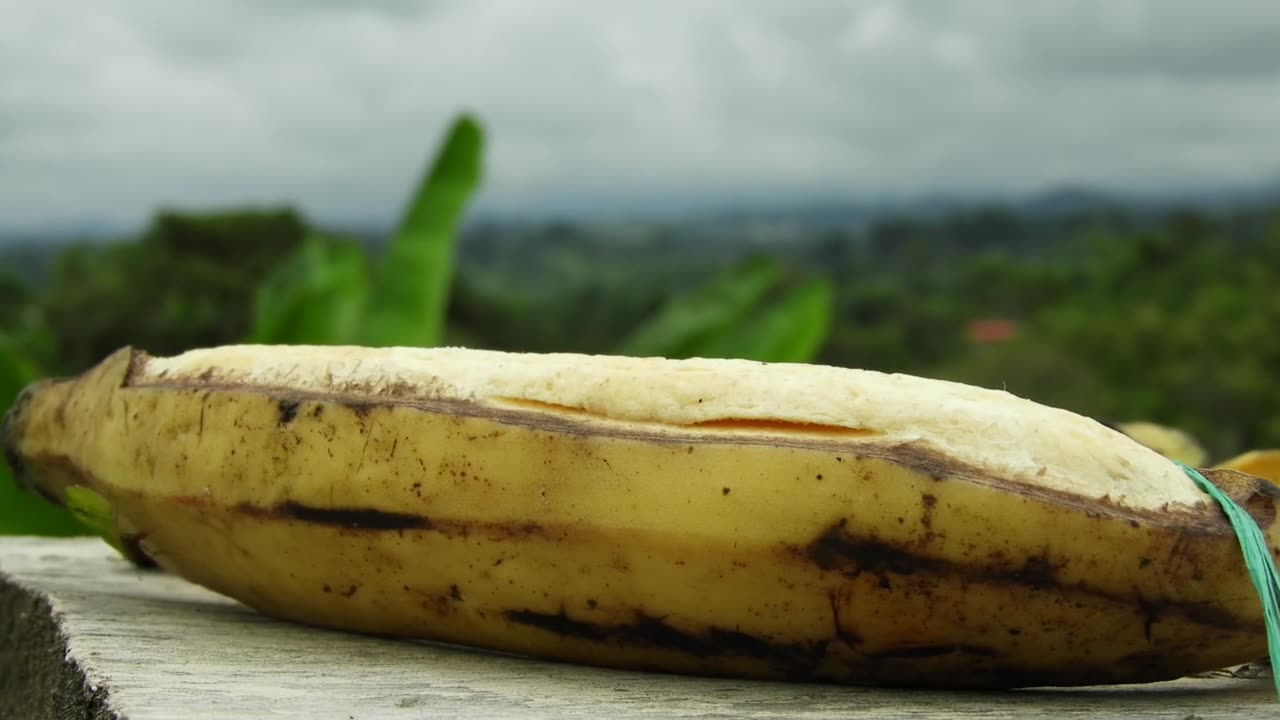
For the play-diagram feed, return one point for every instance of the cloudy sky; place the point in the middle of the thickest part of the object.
(109, 109)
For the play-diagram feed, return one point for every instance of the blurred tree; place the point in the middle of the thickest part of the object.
(15, 299)
(188, 283)
(987, 230)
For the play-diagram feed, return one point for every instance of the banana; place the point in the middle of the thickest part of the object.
(711, 517)
(1171, 442)
(1261, 463)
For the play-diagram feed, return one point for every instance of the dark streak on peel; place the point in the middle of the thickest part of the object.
(928, 651)
(360, 518)
(372, 520)
(838, 551)
(653, 632)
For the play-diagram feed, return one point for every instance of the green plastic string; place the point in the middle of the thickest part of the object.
(1257, 558)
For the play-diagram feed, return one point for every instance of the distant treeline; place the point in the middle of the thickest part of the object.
(1171, 318)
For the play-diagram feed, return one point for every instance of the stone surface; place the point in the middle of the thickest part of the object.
(85, 635)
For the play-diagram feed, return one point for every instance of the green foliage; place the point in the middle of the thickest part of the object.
(791, 329)
(15, 297)
(410, 292)
(323, 294)
(95, 513)
(748, 311)
(1174, 324)
(690, 323)
(314, 297)
(185, 284)
(587, 315)
(21, 513)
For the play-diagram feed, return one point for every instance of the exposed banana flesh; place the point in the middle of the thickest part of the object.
(704, 516)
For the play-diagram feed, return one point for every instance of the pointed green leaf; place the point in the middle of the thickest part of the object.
(411, 289)
(791, 329)
(689, 321)
(95, 513)
(314, 297)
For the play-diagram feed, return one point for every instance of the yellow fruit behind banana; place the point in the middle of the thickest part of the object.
(1180, 445)
(704, 516)
(1261, 463)
(1173, 443)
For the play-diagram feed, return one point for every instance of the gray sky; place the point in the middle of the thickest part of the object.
(108, 109)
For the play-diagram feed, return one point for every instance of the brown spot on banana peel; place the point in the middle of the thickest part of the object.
(288, 410)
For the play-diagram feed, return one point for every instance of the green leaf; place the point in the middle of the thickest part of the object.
(95, 513)
(21, 513)
(792, 329)
(689, 322)
(314, 297)
(411, 289)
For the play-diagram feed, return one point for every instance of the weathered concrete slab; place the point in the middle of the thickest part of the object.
(84, 635)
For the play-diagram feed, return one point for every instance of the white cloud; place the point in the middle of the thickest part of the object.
(108, 110)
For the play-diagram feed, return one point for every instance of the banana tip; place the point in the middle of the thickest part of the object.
(11, 431)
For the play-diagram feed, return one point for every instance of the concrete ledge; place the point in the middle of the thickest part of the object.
(85, 635)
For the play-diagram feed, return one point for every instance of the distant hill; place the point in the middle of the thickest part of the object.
(782, 220)
(547, 249)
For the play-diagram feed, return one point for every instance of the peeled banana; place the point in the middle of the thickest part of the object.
(712, 517)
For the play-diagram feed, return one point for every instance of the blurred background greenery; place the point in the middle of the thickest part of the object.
(1113, 312)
